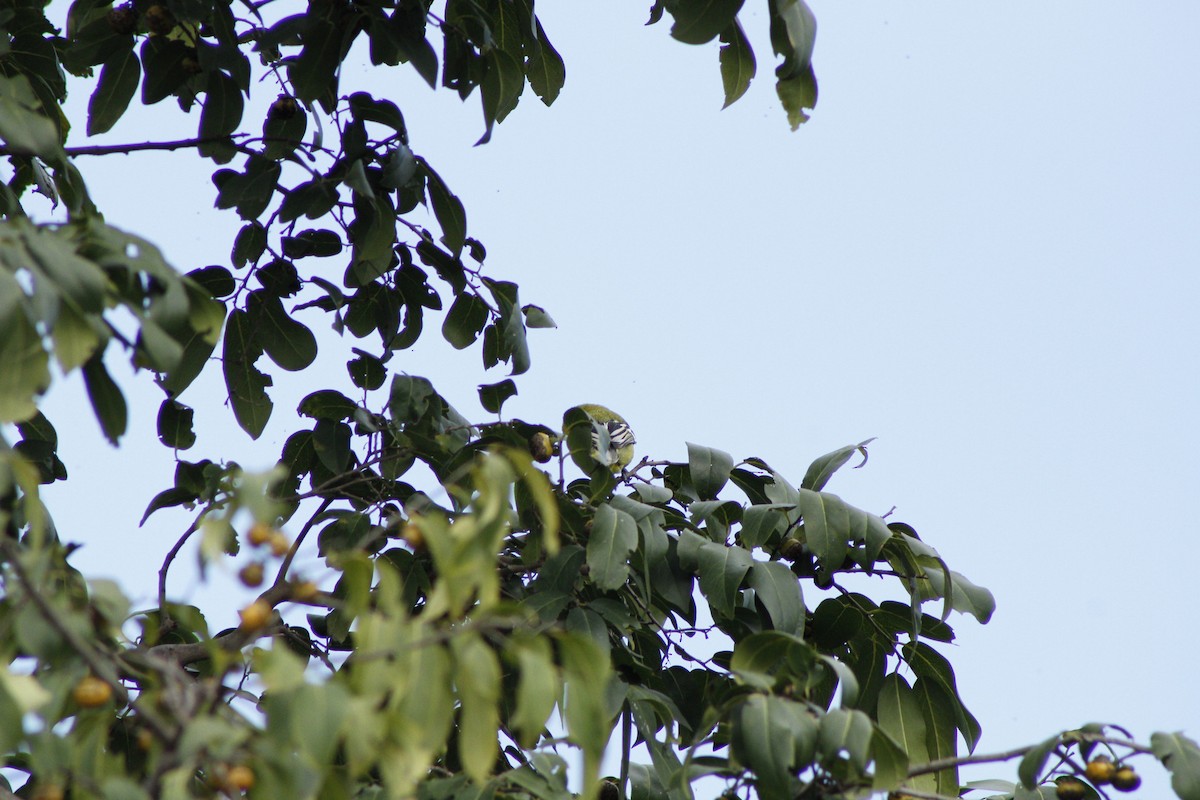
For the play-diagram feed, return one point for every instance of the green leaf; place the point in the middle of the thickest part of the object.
(613, 538)
(964, 595)
(709, 468)
(900, 717)
(737, 63)
(175, 425)
(798, 94)
(826, 526)
(721, 568)
(1181, 756)
(493, 395)
(793, 36)
(162, 65)
(314, 71)
(700, 21)
(465, 320)
(850, 731)
(1034, 762)
(538, 687)
(223, 105)
(586, 672)
(503, 83)
(449, 211)
(23, 127)
(245, 383)
(890, 763)
(118, 83)
(477, 678)
(941, 735)
(107, 400)
(822, 469)
(774, 737)
(545, 69)
(928, 663)
(776, 587)
(289, 343)
(327, 404)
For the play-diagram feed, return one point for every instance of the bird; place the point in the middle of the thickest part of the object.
(612, 438)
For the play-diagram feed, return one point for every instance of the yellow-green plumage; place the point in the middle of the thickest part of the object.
(618, 449)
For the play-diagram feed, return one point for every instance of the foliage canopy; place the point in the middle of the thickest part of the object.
(487, 621)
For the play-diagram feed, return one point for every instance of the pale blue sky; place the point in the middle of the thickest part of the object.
(983, 250)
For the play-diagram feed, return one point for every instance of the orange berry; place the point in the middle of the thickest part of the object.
(252, 574)
(304, 591)
(280, 544)
(91, 692)
(1100, 770)
(255, 616)
(239, 778)
(260, 534)
(1125, 779)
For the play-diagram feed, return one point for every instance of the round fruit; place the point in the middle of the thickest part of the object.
(49, 791)
(159, 20)
(792, 549)
(260, 534)
(284, 107)
(1070, 788)
(304, 591)
(1100, 770)
(252, 574)
(1126, 780)
(412, 534)
(609, 790)
(123, 19)
(541, 446)
(91, 692)
(255, 616)
(239, 778)
(280, 544)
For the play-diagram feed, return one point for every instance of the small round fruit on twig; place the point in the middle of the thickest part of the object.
(1125, 779)
(1068, 787)
(1100, 770)
(91, 692)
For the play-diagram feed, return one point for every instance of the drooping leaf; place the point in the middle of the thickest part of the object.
(118, 83)
(1181, 756)
(700, 21)
(612, 539)
(245, 383)
(776, 587)
(106, 398)
(709, 469)
(737, 63)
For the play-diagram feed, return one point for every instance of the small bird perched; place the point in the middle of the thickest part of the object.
(611, 438)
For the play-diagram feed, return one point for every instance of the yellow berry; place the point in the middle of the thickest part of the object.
(1100, 770)
(252, 574)
(541, 447)
(91, 692)
(1070, 788)
(1125, 779)
(412, 534)
(255, 616)
(280, 544)
(304, 591)
(260, 534)
(239, 778)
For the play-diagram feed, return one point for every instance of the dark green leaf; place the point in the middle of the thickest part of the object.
(223, 106)
(26, 372)
(318, 243)
(798, 94)
(699, 21)
(710, 469)
(107, 400)
(465, 320)
(175, 425)
(289, 343)
(1032, 765)
(941, 734)
(613, 537)
(737, 63)
(1181, 756)
(245, 383)
(774, 737)
(820, 471)
(162, 63)
(314, 72)
(849, 731)
(249, 244)
(545, 69)
(366, 371)
(776, 587)
(215, 280)
(493, 395)
(22, 125)
(118, 83)
(449, 211)
(721, 568)
(327, 404)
